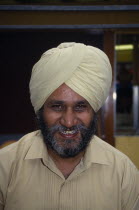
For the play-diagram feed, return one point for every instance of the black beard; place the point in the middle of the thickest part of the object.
(67, 149)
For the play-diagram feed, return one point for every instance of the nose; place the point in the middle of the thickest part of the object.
(69, 118)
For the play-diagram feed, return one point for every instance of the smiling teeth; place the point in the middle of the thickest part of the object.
(68, 132)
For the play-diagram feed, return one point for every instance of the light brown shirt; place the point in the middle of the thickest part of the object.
(105, 179)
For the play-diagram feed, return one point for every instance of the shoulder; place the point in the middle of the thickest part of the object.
(15, 152)
(113, 156)
(10, 156)
(12, 151)
(109, 150)
(123, 170)
(118, 163)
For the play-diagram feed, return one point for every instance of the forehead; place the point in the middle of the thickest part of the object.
(66, 94)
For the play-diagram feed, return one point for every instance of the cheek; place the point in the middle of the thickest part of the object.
(86, 118)
(50, 118)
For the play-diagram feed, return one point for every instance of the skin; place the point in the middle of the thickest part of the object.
(67, 108)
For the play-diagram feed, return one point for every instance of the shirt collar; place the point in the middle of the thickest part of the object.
(95, 153)
(37, 147)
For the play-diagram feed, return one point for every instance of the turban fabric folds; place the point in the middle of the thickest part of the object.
(85, 69)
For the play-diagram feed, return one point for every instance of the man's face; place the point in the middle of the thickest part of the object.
(67, 122)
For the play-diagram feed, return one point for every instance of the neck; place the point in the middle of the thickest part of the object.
(65, 165)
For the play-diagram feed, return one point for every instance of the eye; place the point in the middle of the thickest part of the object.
(80, 107)
(57, 107)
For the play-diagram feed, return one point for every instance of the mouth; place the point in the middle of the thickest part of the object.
(68, 134)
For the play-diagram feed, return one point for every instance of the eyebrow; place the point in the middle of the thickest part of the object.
(63, 102)
(55, 102)
(82, 102)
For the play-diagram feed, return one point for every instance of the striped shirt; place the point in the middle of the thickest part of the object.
(105, 179)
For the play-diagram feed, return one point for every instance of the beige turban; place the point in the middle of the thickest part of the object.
(85, 69)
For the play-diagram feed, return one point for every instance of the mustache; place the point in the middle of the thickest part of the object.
(61, 128)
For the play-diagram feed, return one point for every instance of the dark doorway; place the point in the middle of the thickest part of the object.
(19, 50)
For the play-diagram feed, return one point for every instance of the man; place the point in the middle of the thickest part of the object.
(64, 165)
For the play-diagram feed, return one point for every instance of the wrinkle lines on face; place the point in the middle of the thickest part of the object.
(66, 148)
(67, 122)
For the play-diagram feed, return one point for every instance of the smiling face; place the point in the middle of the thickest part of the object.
(66, 122)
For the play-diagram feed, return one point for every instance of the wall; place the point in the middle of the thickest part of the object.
(129, 145)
